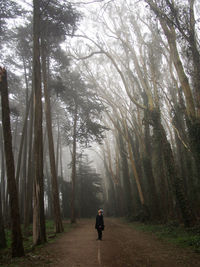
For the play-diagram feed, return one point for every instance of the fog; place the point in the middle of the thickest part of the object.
(104, 109)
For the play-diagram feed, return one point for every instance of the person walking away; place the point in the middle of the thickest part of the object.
(99, 224)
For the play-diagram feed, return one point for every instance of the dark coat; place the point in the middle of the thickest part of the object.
(99, 222)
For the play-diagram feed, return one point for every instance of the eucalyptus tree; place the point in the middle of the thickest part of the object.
(112, 180)
(139, 69)
(179, 24)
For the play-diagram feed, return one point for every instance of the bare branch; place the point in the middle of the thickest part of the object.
(88, 3)
(86, 57)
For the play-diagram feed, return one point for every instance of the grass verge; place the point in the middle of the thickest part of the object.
(178, 235)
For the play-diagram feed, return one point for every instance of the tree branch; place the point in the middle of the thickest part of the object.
(86, 57)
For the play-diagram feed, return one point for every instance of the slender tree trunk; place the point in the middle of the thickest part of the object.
(23, 137)
(54, 179)
(23, 192)
(58, 145)
(112, 207)
(126, 177)
(3, 184)
(133, 165)
(2, 232)
(73, 176)
(61, 164)
(15, 139)
(17, 243)
(112, 181)
(39, 230)
(29, 185)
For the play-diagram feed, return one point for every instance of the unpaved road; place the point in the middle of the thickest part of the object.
(121, 246)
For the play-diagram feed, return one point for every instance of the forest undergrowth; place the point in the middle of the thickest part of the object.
(34, 251)
(173, 233)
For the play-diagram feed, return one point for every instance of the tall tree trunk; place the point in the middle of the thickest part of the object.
(23, 137)
(147, 166)
(73, 176)
(39, 230)
(15, 138)
(29, 184)
(112, 181)
(195, 56)
(54, 179)
(23, 192)
(17, 243)
(3, 184)
(133, 165)
(58, 145)
(2, 232)
(112, 208)
(175, 181)
(61, 164)
(126, 177)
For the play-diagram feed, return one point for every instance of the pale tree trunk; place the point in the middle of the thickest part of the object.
(195, 56)
(15, 138)
(54, 180)
(39, 229)
(110, 190)
(17, 242)
(132, 161)
(73, 175)
(193, 121)
(171, 37)
(125, 176)
(119, 191)
(112, 180)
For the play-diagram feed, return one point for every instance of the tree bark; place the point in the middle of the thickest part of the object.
(39, 230)
(17, 242)
(174, 180)
(2, 232)
(29, 185)
(54, 179)
(73, 176)
(126, 177)
(3, 185)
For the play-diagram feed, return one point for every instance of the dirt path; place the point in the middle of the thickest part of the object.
(121, 246)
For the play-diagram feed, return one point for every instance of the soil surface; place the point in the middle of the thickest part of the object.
(121, 246)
